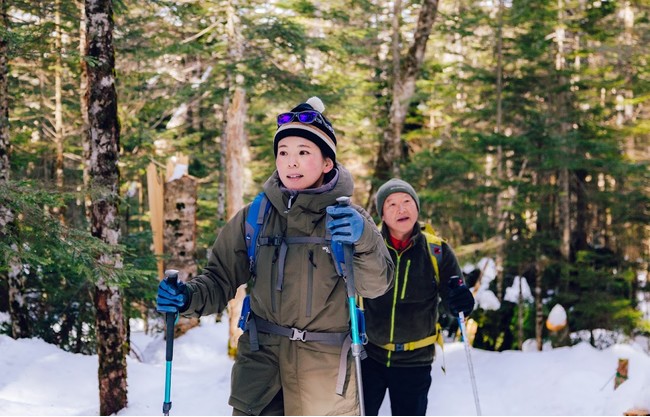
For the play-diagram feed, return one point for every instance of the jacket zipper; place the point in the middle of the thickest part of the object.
(310, 281)
(392, 313)
(406, 279)
(273, 281)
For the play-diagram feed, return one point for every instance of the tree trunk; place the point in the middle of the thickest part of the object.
(235, 157)
(236, 147)
(8, 222)
(223, 140)
(235, 163)
(565, 213)
(58, 105)
(4, 99)
(520, 314)
(539, 307)
(582, 211)
(501, 215)
(83, 104)
(179, 231)
(561, 107)
(180, 226)
(103, 137)
(391, 152)
(544, 214)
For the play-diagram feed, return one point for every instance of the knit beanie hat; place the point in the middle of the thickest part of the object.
(319, 131)
(394, 185)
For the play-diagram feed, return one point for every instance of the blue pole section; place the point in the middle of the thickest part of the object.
(354, 322)
(170, 320)
(167, 405)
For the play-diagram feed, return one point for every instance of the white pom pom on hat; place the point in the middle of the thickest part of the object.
(316, 103)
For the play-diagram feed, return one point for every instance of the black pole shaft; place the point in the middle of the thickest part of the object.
(170, 319)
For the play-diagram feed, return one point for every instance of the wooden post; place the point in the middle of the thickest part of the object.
(155, 193)
(180, 226)
(179, 231)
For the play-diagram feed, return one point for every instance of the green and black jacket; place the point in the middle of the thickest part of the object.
(409, 312)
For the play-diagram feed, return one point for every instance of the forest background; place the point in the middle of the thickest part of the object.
(524, 126)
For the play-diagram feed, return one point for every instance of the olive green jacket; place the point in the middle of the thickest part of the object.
(312, 296)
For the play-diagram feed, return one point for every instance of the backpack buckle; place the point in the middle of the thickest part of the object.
(399, 347)
(297, 334)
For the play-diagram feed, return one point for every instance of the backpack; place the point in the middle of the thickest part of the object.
(254, 220)
(434, 243)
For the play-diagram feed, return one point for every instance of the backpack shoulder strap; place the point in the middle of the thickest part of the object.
(254, 221)
(434, 243)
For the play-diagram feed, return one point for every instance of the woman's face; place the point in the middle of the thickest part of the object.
(300, 163)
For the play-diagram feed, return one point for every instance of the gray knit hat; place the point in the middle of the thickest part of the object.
(394, 185)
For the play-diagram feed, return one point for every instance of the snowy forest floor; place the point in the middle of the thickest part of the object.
(40, 379)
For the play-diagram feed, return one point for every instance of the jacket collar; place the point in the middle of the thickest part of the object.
(313, 199)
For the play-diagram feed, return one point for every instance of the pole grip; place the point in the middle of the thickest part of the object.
(348, 255)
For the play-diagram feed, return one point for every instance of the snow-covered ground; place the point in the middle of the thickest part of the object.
(39, 379)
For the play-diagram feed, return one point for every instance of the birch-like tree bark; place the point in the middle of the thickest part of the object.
(103, 136)
(235, 163)
(405, 74)
(236, 145)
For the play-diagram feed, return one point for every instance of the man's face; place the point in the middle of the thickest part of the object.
(400, 213)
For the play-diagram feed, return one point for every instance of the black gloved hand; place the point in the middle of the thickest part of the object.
(459, 297)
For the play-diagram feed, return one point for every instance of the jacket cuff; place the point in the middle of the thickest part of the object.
(188, 300)
(367, 242)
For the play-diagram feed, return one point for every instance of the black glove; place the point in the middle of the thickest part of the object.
(459, 297)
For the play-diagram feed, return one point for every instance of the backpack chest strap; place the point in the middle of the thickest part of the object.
(283, 242)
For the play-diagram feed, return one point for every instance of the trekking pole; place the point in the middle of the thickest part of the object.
(463, 331)
(170, 319)
(456, 282)
(348, 251)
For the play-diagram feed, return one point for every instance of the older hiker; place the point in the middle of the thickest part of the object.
(402, 324)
